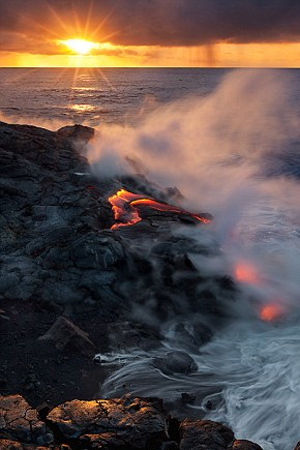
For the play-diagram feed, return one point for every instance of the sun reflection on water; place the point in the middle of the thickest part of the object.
(83, 108)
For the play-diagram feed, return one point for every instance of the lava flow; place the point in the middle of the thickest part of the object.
(125, 206)
(271, 312)
(245, 272)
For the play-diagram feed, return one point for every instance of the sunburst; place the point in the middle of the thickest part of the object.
(80, 46)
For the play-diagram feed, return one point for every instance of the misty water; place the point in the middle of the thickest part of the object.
(230, 142)
(96, 96)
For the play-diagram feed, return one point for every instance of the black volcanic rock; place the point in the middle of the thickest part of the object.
(59, 256)
(56, 243)
(205, 435)
(19, 421)
(127, 422)
(51, 246)
(49, 224)
(245, 445)
(175, 362)
(77, 133)
(130, 335)
(67, 336)
(6, 444)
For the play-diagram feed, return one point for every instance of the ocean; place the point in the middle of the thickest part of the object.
(95, 96)
(229, 140)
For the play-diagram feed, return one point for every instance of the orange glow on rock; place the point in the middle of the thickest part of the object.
(125, 206)
(246, 273)
(122, 209)
(271, 312)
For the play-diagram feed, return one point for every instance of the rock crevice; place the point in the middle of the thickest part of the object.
(116, 424)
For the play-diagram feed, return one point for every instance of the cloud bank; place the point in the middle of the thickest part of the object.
(148, 22)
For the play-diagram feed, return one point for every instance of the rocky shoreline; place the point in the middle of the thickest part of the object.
(123, 424)
(72, 287)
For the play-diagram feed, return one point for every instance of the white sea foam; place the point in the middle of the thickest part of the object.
(220, 152)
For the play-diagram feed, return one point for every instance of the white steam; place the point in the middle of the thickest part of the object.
(49, 124)
(217, 151)
(198, 144)
(250, 376)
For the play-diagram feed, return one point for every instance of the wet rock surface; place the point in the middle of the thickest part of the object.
(68, 337)
(60, 259)
(121, 423)
(56, 243)
(245, 445)
(134, 422)
(205, 435)
(20, 421)
(175, 362)
(50, 249)
(71, 287)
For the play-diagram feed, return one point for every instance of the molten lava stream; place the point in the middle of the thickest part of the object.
(272, 312)
(165, 207)
(125, 206)
(247, 273)
(244, 272)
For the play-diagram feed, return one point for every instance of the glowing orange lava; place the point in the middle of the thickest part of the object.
(125, 206)
(246, 273)
(271, 312)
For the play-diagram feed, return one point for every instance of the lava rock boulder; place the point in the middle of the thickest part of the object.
(19, 421)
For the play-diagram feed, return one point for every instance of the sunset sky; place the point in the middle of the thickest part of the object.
(215, 33)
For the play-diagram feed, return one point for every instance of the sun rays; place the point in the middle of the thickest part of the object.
(80, 42)
(80, 46)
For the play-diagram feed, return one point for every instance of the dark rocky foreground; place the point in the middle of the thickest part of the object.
(71, 287)
(60, 260)
(127, 423)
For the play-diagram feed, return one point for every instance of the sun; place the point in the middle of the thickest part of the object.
(80, 46)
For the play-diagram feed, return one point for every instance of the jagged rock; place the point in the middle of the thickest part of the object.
(175, 362)
(245, 445)
(6, 444)
(205, 435)
(126, 336)
(53, 209)
(170, 446)
(58, 253)
(46, 208)
(117, 424)
(96, 252)
(129, 422)
(187, 398)
(19, 421)
(62, 292)
(95, 280)
(67, 336)
(76, 132)
(8, 281)
(190, 336)
(103, 441)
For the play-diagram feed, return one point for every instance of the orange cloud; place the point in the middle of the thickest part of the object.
(108, 55)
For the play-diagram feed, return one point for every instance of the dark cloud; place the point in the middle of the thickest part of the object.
(149, 22)
(21, 42)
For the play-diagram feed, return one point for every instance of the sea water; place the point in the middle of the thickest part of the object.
(230, 142)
